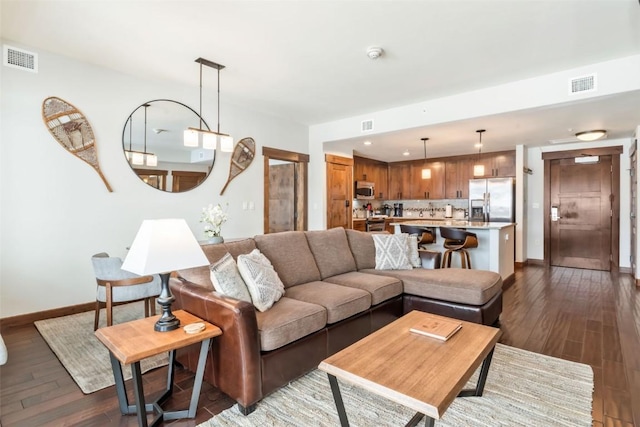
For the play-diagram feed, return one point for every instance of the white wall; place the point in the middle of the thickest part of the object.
(55, 210)
(536, 210)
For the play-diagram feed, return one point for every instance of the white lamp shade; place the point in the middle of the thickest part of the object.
(478, 170)
(426, 173)
(226, 143)
(137, 158)
(152, 160)
(190, 138)
(163, 246)
(209, 140)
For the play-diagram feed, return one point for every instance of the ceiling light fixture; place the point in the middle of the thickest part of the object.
(426, 172)
(209, 138)
(406, 153)
(367, 143)
(478, 168)
(591, 135)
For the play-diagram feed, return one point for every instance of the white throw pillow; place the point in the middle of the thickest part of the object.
(391, 252)
(226, 279)
(262, 280)
(412, 250)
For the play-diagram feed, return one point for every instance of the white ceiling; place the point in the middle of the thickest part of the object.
(306, 60)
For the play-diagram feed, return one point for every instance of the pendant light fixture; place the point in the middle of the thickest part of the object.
(478, 168)
(209, 138)
(426, 172)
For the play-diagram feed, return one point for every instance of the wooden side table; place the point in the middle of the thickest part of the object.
(131, 342)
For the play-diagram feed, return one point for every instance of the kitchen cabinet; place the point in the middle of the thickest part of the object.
(360, 224)
(457, 174)
(399, 180)
(432, 188)
(373, 171)
(499, 164)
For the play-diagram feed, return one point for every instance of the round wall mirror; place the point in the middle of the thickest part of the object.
(153, 144)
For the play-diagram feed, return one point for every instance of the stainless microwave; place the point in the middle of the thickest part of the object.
(365, 190)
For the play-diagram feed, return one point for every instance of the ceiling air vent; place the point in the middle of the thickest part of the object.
(367, 126)
(19, 58)
(583, 84)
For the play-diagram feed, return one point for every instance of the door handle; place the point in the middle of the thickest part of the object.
(346, 203)
(554, 213)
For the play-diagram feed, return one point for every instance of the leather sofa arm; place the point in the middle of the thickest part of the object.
(234, 360)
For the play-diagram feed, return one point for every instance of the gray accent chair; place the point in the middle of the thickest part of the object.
(118, 286)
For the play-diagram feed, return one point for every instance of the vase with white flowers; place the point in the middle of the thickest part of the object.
(213, 217)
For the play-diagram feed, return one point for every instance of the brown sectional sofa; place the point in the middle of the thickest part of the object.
(333, 297)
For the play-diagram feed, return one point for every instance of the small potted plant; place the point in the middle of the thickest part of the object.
(213, 217)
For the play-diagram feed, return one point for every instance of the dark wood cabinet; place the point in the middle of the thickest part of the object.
(498, 164)
(457, 175)
(373, 171)
(399, 180)
(432, 188)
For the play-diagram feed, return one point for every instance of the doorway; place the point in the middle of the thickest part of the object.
(285, 190)
(339, 191)
(582, 205)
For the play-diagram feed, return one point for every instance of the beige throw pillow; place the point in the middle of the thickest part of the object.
(226, 279)
(262, 280)
(391, 252)
(412, 250)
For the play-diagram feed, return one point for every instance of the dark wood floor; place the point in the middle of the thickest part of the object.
(581, 315)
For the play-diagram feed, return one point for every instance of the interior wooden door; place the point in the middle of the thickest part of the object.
(339, 191)
(581, 213)
(633, 210)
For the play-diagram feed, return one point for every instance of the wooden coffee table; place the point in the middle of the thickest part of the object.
(419, 372)
(131, 342)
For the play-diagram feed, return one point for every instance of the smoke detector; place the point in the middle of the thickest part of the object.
(374, 52)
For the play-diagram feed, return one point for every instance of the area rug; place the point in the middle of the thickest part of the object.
(522, 389)
(86, 359)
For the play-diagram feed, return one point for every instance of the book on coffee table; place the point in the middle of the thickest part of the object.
(440, 328)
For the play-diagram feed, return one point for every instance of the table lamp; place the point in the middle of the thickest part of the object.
(160, 247)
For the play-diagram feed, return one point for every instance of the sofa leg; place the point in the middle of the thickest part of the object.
(247, 410)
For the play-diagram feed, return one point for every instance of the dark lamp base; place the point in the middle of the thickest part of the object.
(166, 326)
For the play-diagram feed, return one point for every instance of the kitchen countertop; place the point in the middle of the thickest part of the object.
(456, 223)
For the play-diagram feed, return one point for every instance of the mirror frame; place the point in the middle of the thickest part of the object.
(163, 172)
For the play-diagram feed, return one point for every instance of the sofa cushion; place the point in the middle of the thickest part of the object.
(461, 285)
(339, 301)
(289, 320)
(201, 276)
(330, 249)
(262, 280)
(290, 255)
(391, 252)
(362, 248)
(381, 288)
(226, 279)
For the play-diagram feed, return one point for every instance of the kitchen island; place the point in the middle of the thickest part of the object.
(496, 246)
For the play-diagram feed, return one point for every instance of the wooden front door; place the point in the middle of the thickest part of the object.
(339, 191)
(581, 213)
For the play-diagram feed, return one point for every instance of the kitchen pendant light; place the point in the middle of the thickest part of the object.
(478, 168)
(209, 138)
(426, 172)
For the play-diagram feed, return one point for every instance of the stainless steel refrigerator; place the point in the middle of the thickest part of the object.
(492, 200)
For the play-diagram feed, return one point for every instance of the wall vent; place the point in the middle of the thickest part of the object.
(583, 84)
(367, 125)
(19, 58)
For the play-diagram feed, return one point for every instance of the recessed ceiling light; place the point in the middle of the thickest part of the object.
(367, 143)
(406, 153)
(591, 135)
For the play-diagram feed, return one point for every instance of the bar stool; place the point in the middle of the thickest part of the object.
(457, 240)
(426, 236)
